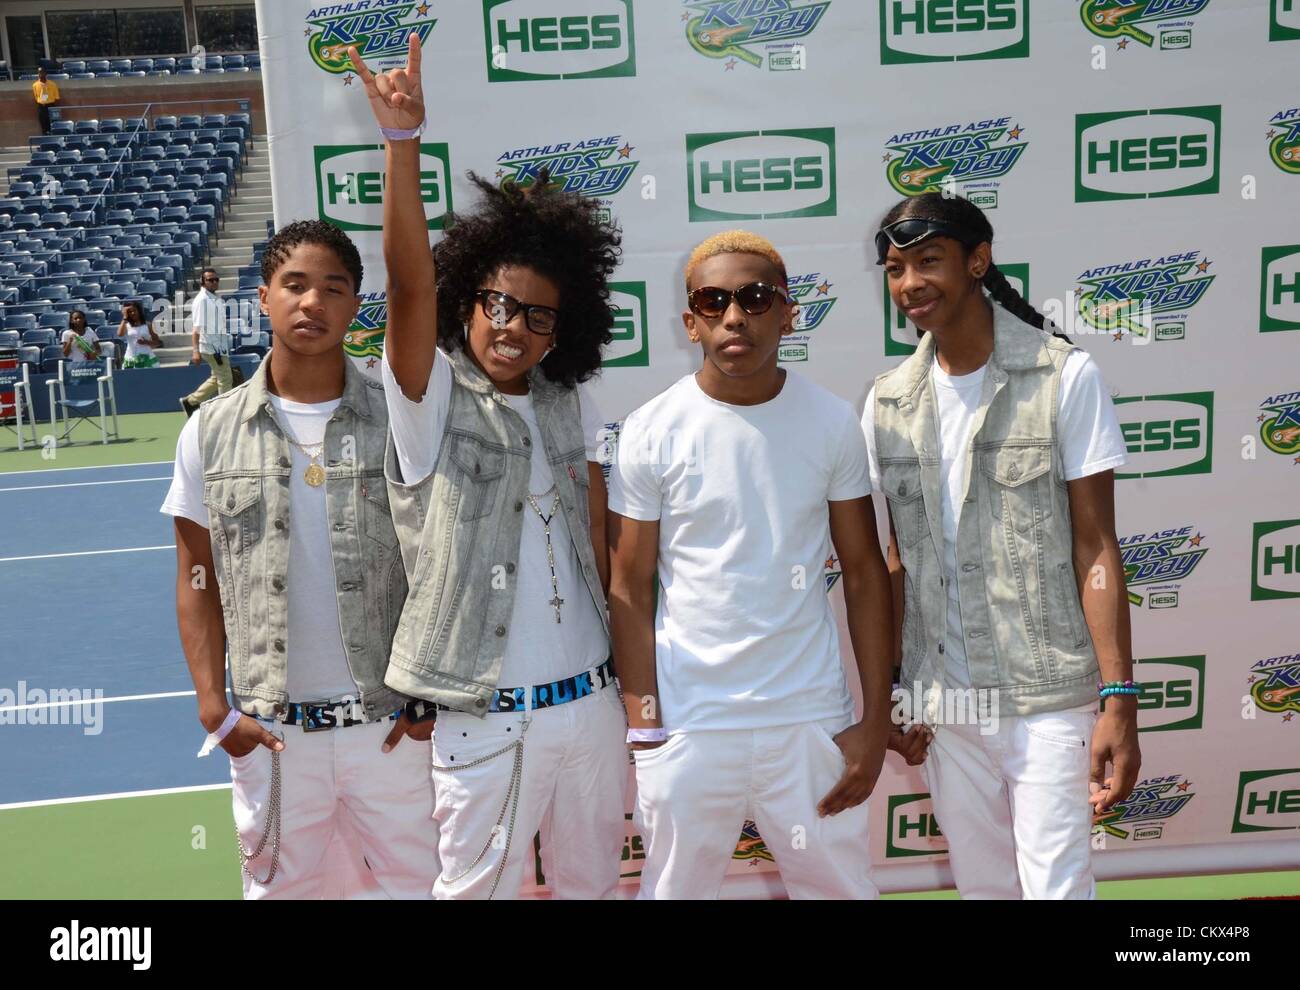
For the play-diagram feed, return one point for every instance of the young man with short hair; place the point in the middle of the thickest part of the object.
(211, 342)
(286, 553)
(733, 485)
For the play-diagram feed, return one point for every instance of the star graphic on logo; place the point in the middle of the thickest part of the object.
(1014, 133)
(1184, 785)
(1196, 540)
(1204, 265)
(347, 80)
(1250, 679)
(731, 64)
(1123, 43)
(830, 563)
(370, 363)
(501, 173)
(1271, 134)
(1260, 418)
(824, 288)
(626, 150)
(1118, 336)
(686, 15)
(886, 157)
(306, 32)
(1296, 461)
(1288, 716)
(422, 10)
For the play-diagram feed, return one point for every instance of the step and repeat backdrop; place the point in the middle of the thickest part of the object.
(1140, 163)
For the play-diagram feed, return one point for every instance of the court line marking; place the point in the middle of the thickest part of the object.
(97, 701)
(89, 467)
(85, 553)
(113, 797)
(83, 484)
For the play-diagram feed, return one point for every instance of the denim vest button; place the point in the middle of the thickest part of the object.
(902, 488)
(284, 461)
(940, 647)
(480, 703)
(501, 630)
(230, 502)
(279, 524)
(1013, 472)
(277, 584)
(528, 441)
(519, 506)
(279, 646)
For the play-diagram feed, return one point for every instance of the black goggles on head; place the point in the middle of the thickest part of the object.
(910, 232)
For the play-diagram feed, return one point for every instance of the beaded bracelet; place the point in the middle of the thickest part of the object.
(1102, 685)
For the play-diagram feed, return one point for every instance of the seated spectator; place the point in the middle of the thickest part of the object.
(140, 337)
(79, 341)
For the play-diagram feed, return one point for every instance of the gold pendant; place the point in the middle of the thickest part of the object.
(314, 475)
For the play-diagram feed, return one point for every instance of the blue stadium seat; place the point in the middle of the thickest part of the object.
(46, 336)
(187, 72)
(156, 288)
(151, 200)
(151, 153)
(118, 216)
(41, 158)
(76, 65)
(189, 121)
(136, 73)
(10, 340)
(120, 64)
(83, 75)
(142, 63)
(11, 205)
(233, 62)
(51, 355)
(253, 60)
(122, 290)
(136, 184)
(52, 321)
(78, 266)
(26, 221)
(158, 72)
(61, 127)
(177, 152)
(82, 218)
(165, 123)
(174, 213)
(86, 127)
(76, 187)
(111, 74)
(53, 292)
(168, 63)
(112, 125)
(145, 214)
(55, 220)
(20, 322)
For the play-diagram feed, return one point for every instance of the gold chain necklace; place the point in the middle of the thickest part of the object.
(315, 473)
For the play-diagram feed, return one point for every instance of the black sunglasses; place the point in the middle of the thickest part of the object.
(910, 232)
(501, 308)
(755, 299)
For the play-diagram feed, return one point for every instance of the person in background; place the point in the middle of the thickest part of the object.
(46, 93)
(79, 341)
(140, 337)
(211, 343)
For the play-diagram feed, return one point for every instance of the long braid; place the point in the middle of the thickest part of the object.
(962, 212)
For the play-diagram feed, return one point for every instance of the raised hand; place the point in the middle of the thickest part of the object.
(396, 96)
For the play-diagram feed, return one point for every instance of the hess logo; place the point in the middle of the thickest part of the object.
(913, 829)
(952, 30)
(350, 185)
(1267, 800)
(762, 174)
(1137, 154)
(1279, 294)
(1275, 560)
(559, 39)
(1166, 434)
(1172, 695)
(630, 348)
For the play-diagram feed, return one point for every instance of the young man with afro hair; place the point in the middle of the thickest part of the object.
(287, 557)
(500, 508)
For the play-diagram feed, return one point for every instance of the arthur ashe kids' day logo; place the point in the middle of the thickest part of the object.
(1279, 424)
(597, 167)
(813, 294)
(1275, 685)
(365, 337)
(1284, 139)
(1151, 297)
(1164, 24)
(380, 30)
(969, 158)
(1147, 810)
(1157, 564)
(744, 31)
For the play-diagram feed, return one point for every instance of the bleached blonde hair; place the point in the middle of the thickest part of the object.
(734, 242)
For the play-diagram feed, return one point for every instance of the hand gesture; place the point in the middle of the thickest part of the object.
(396, 96)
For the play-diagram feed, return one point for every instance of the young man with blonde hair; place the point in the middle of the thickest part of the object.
(733, 485)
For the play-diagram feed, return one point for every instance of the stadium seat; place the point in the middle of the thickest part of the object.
(157, 288)
(51, 355)
(61, 127)
(20, 322)
(142, 63)
(55, 219)
(151, 153)
(26, 221)
(166, 123)
(145, 214)
(158, 72)
(120, 65)
(76, 65)
(168, 63)
(77, 266)
(86, 127)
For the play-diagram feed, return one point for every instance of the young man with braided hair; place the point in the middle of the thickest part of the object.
(287, 557)
(733, 486)
(995, 445)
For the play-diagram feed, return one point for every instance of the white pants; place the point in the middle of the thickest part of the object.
(339, 781)
(572, 790)
(696, 790)
(1014, 805)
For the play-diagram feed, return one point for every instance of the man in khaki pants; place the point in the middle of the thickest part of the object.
(211, 343)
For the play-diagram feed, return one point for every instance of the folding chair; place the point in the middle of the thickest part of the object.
(14, 378)
(84, 389)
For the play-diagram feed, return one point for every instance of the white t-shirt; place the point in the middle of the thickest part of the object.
(317, 665)
(77, 355)
(208, 320)
(137, 341)
(744, 635)
(1087, 431)
(538, 649)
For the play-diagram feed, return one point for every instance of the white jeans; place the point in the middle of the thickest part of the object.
(572, 790)
(1014, 805)
(696, 790)
(339, 781)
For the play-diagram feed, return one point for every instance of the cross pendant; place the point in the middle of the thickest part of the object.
(555, 603)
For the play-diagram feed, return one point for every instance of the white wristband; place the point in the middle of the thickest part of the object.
(658, 734)
(223, 730)
(400, 134)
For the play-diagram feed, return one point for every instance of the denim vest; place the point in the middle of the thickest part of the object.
(460, 528)
(1025, 633)
(246, 469)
